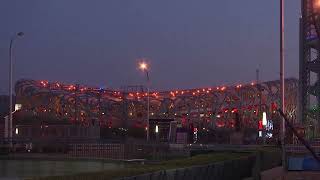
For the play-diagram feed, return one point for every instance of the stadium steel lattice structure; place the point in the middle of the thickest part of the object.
(213, 107)
(309, 56)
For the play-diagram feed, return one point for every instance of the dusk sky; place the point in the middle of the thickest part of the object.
(189, 43)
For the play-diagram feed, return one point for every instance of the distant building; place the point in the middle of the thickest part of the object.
(196, 109)
(162, 130)
(54, 136)
(56, 131)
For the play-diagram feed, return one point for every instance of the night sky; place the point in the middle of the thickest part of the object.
(189, 43)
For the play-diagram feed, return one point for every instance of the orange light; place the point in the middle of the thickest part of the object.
(317, 3)
(177, 92)
(182, 92)
(198, 91)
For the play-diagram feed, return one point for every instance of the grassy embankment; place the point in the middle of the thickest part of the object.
(131, 170)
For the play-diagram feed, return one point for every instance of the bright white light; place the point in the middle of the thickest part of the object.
(157, 128)
(269, 135)
(264, 118)
(143, 66)
(17, 131)
(17, 107)
(260, 133)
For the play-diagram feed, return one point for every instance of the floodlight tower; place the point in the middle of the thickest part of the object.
(309, 56)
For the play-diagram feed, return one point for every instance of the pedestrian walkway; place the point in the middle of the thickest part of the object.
(278, 174)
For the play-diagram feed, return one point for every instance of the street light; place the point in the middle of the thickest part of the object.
(13, 38)
(143, 66)
(283, 126)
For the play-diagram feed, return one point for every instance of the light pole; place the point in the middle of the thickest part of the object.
(19, 34)
(283, 129)
(145, 68)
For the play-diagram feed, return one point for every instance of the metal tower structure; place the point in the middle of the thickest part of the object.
(309, 66)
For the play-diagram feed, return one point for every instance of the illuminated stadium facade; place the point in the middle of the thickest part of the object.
(212, 107)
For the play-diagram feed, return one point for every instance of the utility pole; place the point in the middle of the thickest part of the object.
(260, 105)
(283, 127)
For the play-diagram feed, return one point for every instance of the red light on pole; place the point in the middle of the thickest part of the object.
(260, 126)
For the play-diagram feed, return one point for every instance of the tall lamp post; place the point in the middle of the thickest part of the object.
(283, 127)
(13, 38)
(143, 66)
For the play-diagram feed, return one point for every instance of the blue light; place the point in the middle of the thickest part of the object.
(311, 37)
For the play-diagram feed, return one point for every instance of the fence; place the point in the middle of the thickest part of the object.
(120, 151)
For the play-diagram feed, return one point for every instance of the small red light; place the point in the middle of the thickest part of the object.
(260, 126)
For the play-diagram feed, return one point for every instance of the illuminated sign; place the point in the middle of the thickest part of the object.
(264, 118)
